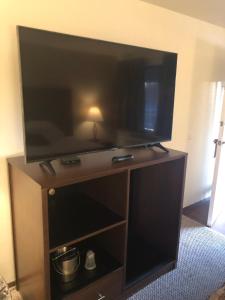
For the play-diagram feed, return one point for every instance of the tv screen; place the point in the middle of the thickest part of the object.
(82, 95)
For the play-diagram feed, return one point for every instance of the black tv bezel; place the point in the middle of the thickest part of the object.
(55, 157)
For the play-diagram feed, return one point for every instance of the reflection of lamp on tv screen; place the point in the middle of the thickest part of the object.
(82, 95)
(95, 116)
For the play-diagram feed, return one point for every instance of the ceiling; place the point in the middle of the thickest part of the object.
(212, 11)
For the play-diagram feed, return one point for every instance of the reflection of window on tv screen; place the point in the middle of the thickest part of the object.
(151, 105)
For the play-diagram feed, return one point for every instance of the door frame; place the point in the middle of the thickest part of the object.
(217, 155)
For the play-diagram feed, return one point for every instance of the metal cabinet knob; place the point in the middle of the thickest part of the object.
(100, 297)
(51, 192)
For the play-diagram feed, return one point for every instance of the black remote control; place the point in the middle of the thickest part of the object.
(116, 159)
(70, 160)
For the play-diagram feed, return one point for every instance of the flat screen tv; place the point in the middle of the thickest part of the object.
(82, 94)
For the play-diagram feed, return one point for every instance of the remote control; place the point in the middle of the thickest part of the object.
(70, 160)
(116, 159)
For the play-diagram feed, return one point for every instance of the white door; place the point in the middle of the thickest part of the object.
(217, 202)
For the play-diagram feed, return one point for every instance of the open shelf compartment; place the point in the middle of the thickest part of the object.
(109, 253)
(154, 219)
(83, 209)
(143, 259)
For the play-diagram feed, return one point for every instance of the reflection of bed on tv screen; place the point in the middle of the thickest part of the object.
(82, 95)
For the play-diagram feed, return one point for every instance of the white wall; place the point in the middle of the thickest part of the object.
(201, 62)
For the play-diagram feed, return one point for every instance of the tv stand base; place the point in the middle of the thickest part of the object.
(116, 199)
(158, 145)
(47, 166)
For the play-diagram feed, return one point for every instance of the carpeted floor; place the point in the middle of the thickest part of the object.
(200, 271)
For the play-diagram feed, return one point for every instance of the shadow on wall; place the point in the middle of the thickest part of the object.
(209, 66)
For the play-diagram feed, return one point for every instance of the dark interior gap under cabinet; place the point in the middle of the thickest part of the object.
(129, 213)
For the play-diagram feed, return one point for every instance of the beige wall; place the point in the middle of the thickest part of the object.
(201, 62)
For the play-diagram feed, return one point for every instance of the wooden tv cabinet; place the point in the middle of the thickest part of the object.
(129, 213)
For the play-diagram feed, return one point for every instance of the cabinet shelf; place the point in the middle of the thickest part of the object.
(78, 218)
(105, 263)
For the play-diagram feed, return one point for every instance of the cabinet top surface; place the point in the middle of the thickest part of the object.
(93, 165)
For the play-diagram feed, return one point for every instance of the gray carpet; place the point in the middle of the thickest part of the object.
(200, 270)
